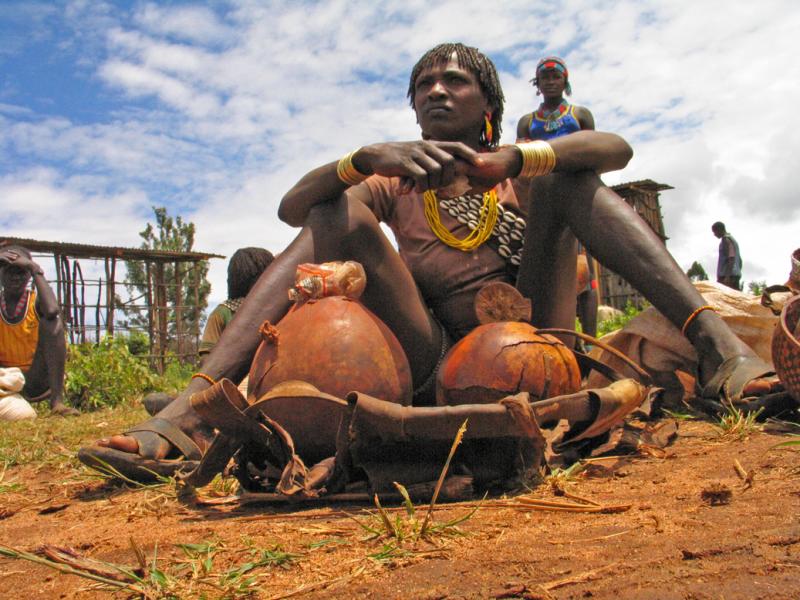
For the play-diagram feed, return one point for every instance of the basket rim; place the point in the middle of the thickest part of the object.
(784, 325)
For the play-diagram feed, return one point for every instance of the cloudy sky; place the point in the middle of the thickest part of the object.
(214, 109)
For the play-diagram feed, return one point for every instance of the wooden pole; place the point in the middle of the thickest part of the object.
(179, 310)
(161, 301)
(111, 304)
(97, 309)
(196, 309)
(150, 314)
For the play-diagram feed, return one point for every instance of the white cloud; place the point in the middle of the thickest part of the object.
(222, 110)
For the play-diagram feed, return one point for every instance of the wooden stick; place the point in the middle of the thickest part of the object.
(594, 539)
(580, 578)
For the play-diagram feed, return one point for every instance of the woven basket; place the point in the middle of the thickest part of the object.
(786, 348)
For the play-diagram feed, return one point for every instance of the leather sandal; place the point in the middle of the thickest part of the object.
(733, 375)
(138, 468)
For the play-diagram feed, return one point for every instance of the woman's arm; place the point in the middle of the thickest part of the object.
(523, 128)
(580, 151)
(584, 117)
(422, 166)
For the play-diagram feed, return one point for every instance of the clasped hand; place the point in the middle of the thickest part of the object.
(427, 165)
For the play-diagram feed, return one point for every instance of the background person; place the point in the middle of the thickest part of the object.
(31, 330)
(556, 117)
(729, 263)
(244, 268)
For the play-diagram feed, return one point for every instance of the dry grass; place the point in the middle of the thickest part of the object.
(736, 424)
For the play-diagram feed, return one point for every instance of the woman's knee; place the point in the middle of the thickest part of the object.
(346, 225)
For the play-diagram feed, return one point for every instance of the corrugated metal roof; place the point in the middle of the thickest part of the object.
(643, 184)
(89, 251)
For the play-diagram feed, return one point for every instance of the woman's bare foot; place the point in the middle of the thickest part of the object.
(181, 414)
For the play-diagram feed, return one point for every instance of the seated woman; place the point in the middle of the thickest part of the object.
(425, 292)
(244, 268)
(31, 330)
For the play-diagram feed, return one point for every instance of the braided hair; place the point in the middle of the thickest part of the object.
(244, 269)
(478, 64)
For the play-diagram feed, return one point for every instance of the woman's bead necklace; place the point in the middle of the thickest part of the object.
(487, 217)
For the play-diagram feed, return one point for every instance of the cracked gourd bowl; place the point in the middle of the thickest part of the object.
(499, 359)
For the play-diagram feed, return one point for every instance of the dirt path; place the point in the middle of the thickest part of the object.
(671, 543)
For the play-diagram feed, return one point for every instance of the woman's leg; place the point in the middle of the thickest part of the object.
(339, 230)
(614, 234)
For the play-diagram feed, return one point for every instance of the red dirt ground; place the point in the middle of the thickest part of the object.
(671, 543)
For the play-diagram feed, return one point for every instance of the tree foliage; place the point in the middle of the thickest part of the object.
(696, 272)
(173, 234)
(757, 287)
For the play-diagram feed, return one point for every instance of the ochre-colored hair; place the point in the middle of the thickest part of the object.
(479, 65)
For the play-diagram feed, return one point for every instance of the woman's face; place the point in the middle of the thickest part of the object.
(449, 103)
(13, 279)
(551, 83)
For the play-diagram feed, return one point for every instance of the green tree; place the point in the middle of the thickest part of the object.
(172, 234)
(757, 287)
(696, 272)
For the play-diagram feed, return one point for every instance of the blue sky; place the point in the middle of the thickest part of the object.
(215, 109)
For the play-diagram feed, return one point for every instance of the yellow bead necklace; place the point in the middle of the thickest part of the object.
(486, 221)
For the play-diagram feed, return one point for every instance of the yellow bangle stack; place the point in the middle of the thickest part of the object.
(347, 171)
(538, 158)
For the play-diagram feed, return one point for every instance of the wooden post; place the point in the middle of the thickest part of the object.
(57, 259)
(196, 309)
(161, 301)
(97, 310)
(111, 295)
(179, 311)
(150, 315)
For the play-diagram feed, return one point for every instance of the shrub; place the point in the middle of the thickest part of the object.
(618, 322)
(138, 343)
(105, 374)
(176, 375)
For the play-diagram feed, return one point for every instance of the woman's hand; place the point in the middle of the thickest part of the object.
(492, 168)
(10, 257)
(421, 165)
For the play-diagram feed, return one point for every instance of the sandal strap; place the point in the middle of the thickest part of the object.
(172, 434)
(733, 375)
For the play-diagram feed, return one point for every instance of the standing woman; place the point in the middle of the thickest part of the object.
(556, 117)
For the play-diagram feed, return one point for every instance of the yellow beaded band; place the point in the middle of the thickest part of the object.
(479, 234)
(538, 158)
(694, 315)
(203, 376)
(347, 172)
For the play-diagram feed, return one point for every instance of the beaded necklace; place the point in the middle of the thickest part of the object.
(552, 118)
(481, 227)
(18, 310)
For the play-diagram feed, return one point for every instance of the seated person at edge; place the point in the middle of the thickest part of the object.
(555, 117)
(425, 292)
(31, 330)
(244, 269)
